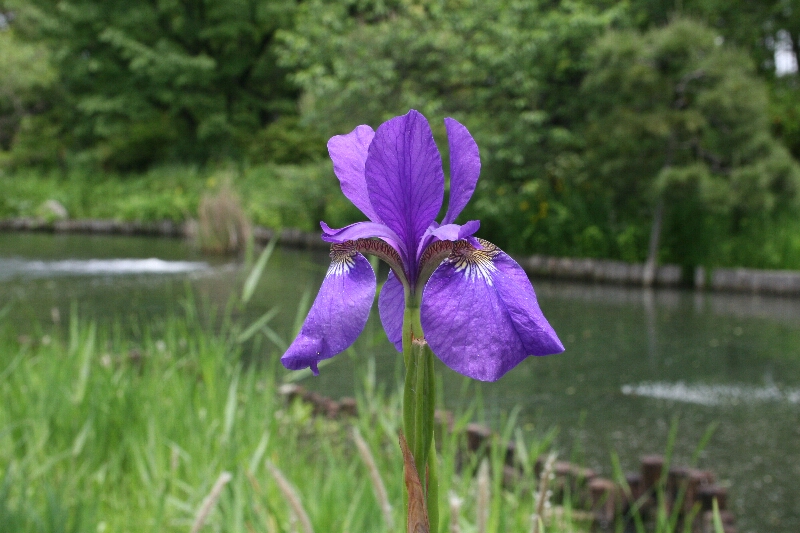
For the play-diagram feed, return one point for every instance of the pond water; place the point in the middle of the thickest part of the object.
(635, 359)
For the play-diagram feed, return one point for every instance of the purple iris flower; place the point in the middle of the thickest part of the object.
(475, 304)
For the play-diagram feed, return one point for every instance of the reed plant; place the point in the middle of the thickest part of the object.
(222, 226)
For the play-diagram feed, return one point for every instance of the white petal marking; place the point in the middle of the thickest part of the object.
(474, 263)
(342, 259)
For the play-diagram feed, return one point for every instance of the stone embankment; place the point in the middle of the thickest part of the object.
(685, 493)
(164, 228)
(779, 282)
(601, 270)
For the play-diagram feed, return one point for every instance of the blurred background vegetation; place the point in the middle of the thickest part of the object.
(597, 120)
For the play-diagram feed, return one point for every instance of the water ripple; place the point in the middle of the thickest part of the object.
(712, 394)
(17, 267)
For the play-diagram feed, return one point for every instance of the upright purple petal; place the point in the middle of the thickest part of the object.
(480, 315)
(448, 232)
(404, 176)
(454, 232)
(391, 306)
(349, 153)
(465, 167)
(338, 314)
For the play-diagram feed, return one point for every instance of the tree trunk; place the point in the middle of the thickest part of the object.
(649, 274)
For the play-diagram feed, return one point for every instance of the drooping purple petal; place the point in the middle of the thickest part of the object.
(404, 177)
(391, 306)
(349, 153)
(480, 315)
(465, 167)
(338, 314)
(362, 230)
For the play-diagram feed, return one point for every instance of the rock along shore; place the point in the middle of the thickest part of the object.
(779, 282)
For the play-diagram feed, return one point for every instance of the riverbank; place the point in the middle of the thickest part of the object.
(746, 280)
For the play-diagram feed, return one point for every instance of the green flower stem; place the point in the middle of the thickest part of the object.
(419, 403)
(432, 493)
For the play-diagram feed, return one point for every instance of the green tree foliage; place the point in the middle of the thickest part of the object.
(754, 26)
(677, 118)
(589, 114)
(757, 27)
(25, 77)
(582, 129)
(147, 81)
(509, 70)
(785, 111)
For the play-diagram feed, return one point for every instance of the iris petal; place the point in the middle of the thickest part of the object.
(465, 167)
(404, 177)
(391, 306)
(349, 153)
(454, 232)
(480, 315)
(338, 314)
(362, 230)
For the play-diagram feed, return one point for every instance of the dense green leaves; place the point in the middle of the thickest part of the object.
(149, 81)
(756, 27)
(25, 77)
(582, 127)
(676, 116)
(509, 70)
(586, 113)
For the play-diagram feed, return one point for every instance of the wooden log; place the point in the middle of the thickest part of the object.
(478, 437)
(636, 486)
(444, 419)
(291, 391)
(695, 479)
(707, 522)
(572, 480)
(348, 406)
(706, 494)
(652, 466)
(604, 495)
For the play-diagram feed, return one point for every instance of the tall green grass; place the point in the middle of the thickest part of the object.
(100, 431)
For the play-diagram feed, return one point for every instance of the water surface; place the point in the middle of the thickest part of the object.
(635, 359)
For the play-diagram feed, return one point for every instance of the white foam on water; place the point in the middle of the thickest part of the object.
(712, 394)
(90, 267)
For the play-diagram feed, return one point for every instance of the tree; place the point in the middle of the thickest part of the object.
(757, 27)
(508, 70)
(753, 26)
(145, 81)
(25, 77)
(677, 119)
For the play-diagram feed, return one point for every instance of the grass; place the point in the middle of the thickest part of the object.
(171, 432)
(100, 431)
